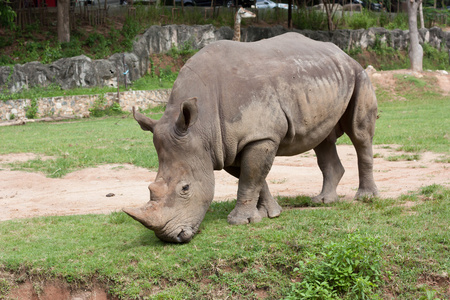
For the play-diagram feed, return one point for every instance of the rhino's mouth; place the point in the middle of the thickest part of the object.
(180, 235)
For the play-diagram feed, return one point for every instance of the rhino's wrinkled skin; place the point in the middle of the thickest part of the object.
(235, 106)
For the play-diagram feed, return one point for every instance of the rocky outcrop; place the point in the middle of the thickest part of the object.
(81, 71)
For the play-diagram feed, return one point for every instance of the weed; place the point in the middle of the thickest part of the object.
(5, 288)
(101, 109)
(299, 201)
(404, 157)
(119, 218)
(31, 111)
(352, 268)
(51, 52)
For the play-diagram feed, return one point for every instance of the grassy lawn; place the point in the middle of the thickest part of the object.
(373, 249)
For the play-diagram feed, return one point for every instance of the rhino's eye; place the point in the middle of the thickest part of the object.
(185, 188)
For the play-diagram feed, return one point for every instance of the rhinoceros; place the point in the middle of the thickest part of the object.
(235, 106)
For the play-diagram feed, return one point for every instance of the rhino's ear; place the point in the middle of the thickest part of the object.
(188, 115)
(146, 123)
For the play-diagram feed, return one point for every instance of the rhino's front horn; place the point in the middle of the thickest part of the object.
(145, 215)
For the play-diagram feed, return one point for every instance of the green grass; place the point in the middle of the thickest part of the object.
(230, 261)
(80, 144)
(278, 258)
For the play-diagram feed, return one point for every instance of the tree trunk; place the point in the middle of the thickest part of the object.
(63, 21)
(422, 23)
(329, 13)
(415, 50)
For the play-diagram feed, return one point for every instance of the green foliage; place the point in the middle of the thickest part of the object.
(310, 19)
(32, 109)
(351, 268)
(101, 109)
(72, 48)
(98, 44)
(434, 17)
(7, 14)
(363, 20)
(400, 21)
(129, 31)
(435, 59)
(185, 50)
(51, 52)
(5, 287)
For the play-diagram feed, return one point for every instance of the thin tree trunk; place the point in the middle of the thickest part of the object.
(63, 21)
(415, 49)
(422, 24)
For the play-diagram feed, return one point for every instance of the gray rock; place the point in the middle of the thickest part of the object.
(81, 71)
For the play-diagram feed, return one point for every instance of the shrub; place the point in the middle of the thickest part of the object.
(32, 110)
(101, 109)
(363, 20)
(350, 268)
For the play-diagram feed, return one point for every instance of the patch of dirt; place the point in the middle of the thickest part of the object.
(387, 80)
(25, 195)
(51, 290)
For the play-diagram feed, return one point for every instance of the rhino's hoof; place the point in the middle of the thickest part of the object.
(364, 194)
(325, 198)
(239, 218)
(271, 211)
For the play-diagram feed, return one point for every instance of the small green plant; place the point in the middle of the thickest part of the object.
(404, 157)
(429, 295)
(5, 287)
(351, 268)
(32, 109)
(51, 52)
(101, 109)
(98, 108)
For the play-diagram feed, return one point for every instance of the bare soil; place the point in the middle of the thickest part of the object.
(109, 188)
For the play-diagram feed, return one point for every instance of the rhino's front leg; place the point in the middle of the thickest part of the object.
(255, 163)
(267, 205)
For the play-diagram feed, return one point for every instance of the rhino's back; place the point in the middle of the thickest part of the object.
(289, 89)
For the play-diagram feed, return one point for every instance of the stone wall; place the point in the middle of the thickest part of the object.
(81, 71)
(78, 106)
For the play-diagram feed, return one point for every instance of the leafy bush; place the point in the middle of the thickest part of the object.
(310, 19)
(363, 20)
(101, 109)
(435, 59)
(32, 110)
(351, 268)
(400, 21)
(72, 48)
(7, 14)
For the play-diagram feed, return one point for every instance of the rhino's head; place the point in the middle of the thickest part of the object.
(184, 185)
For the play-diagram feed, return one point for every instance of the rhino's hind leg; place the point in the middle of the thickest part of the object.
(256, 161)
(367, 186)
(332, 170)
(358, 123)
